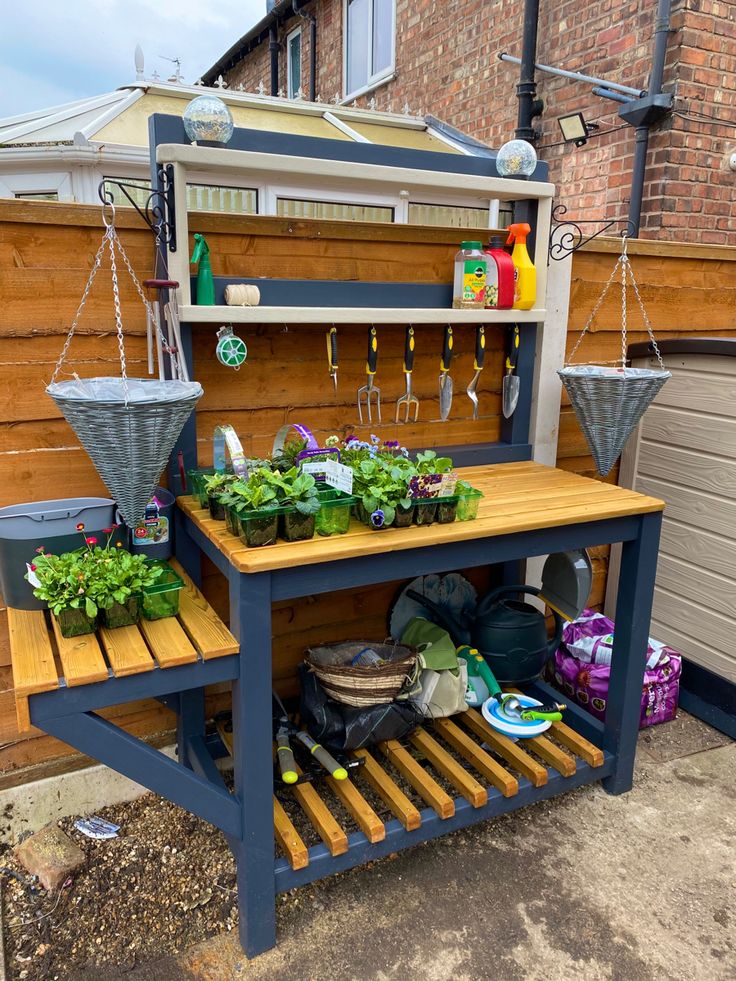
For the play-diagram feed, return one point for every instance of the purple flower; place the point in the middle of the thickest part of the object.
(378, 518)
(391, 444)
(375, 439)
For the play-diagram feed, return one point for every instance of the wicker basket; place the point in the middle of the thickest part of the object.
(362, 686)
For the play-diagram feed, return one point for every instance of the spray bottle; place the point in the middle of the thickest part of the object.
(205, 282)
(525, 275)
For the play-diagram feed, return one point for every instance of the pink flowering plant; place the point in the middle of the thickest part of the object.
(91, 578)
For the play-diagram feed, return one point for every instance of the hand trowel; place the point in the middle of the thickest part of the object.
(511, 383)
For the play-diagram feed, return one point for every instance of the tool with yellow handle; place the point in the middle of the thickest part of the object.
(511, 383)
(285, 731)
(332, 354)
(370, 388)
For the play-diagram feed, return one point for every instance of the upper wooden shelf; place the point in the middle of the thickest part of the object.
(353, 315)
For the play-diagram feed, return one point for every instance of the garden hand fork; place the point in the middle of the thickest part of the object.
(409, 401)
(369, 388)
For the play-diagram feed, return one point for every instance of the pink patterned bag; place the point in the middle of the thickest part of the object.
(582, 670)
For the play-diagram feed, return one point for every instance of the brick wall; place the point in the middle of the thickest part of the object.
(446, 64)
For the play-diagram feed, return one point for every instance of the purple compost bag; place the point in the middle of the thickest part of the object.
(583, 667)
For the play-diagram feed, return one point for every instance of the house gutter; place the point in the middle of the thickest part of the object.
(526, 90)
(273, 47)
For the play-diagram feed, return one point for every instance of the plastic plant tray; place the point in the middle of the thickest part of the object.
(161, 598)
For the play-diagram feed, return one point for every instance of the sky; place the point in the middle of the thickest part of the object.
(51, 53)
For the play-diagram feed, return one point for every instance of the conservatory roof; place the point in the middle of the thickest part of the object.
(120, 118)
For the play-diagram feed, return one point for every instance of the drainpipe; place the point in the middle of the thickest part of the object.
(309, 16)
(526, 90)
(641, 141)
(273, 47)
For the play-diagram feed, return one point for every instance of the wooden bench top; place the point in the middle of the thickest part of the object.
(517, 497)
(41, 658)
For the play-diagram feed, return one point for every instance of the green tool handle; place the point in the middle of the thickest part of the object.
(480, 348)
(409, 350)
(446, 348)
(287, 764)
(513, 355)
(372, 362)
(322, 756)
(332, 348)
(489, 677)
(532, 715)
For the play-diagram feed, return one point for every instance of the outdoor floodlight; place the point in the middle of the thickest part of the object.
(208, 120)
(574, 128)
(517, 158)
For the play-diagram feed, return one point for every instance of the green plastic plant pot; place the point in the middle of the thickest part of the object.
(232, 521)
(404, 516)
(333, 517)
(446, 510)
(121, 614)
(74, 623)
(217, 508)
(467, 505)
(257, 530)
(161, 598)
(425, 512)
(361, 514)
(297, 527)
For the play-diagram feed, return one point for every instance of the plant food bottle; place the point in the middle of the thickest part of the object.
(469, 287)
(525, 275)
(500, 276)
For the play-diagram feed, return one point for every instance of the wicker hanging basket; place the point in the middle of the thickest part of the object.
(128, 426)
(610, 400)
(362, 686)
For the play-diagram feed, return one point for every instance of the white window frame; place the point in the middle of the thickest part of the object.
(378, 78)
(37, 183)
(291, 37)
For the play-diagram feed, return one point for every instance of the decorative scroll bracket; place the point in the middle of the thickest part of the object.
(158, 212)
(567, 236)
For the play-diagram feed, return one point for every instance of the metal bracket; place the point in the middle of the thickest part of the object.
(567, 236)
(158, 213)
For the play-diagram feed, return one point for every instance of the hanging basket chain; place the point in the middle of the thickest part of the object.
(110, 241)
(627, 272)
(95, 267)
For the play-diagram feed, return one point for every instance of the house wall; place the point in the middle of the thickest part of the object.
(46, 251)
(447, 65)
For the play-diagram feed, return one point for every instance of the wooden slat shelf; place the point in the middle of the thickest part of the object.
(516, 497)
(412, 767)
(196, 633)
(220, 314)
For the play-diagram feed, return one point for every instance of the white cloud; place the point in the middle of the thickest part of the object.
(50, 54)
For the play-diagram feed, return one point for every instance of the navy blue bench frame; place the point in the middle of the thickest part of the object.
(246, 816)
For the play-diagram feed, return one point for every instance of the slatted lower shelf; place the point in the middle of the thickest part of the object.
(496, 775)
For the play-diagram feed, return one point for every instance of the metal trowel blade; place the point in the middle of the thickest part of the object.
(510, 394)
(445, 396)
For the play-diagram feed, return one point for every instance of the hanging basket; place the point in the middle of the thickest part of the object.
(129, 440)
(128, 426)
(609, 401)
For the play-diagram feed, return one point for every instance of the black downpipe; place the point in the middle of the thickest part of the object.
(526, 90)
(641, 144)
(312, 58)
(273, 47)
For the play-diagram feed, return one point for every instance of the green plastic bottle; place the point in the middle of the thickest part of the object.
(205, 282)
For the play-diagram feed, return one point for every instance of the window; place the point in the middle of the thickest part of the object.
(369, 43)
(294, 62)
(332, 210)
(200, 197)
(448, 215)
(37, 195)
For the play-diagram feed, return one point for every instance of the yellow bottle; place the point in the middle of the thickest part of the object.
(525, 275)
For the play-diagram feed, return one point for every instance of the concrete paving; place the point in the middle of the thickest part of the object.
(640, 887)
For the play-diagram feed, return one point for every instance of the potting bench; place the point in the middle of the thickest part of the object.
(527, 510)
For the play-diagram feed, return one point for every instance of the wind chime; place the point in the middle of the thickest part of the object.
(610, 399)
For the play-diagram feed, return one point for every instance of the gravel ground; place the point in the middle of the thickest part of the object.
(166, 882)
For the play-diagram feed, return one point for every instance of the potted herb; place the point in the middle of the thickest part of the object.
(62, 580)
(381, 485)
(256, 506)
(161, 597)
(216, 485)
